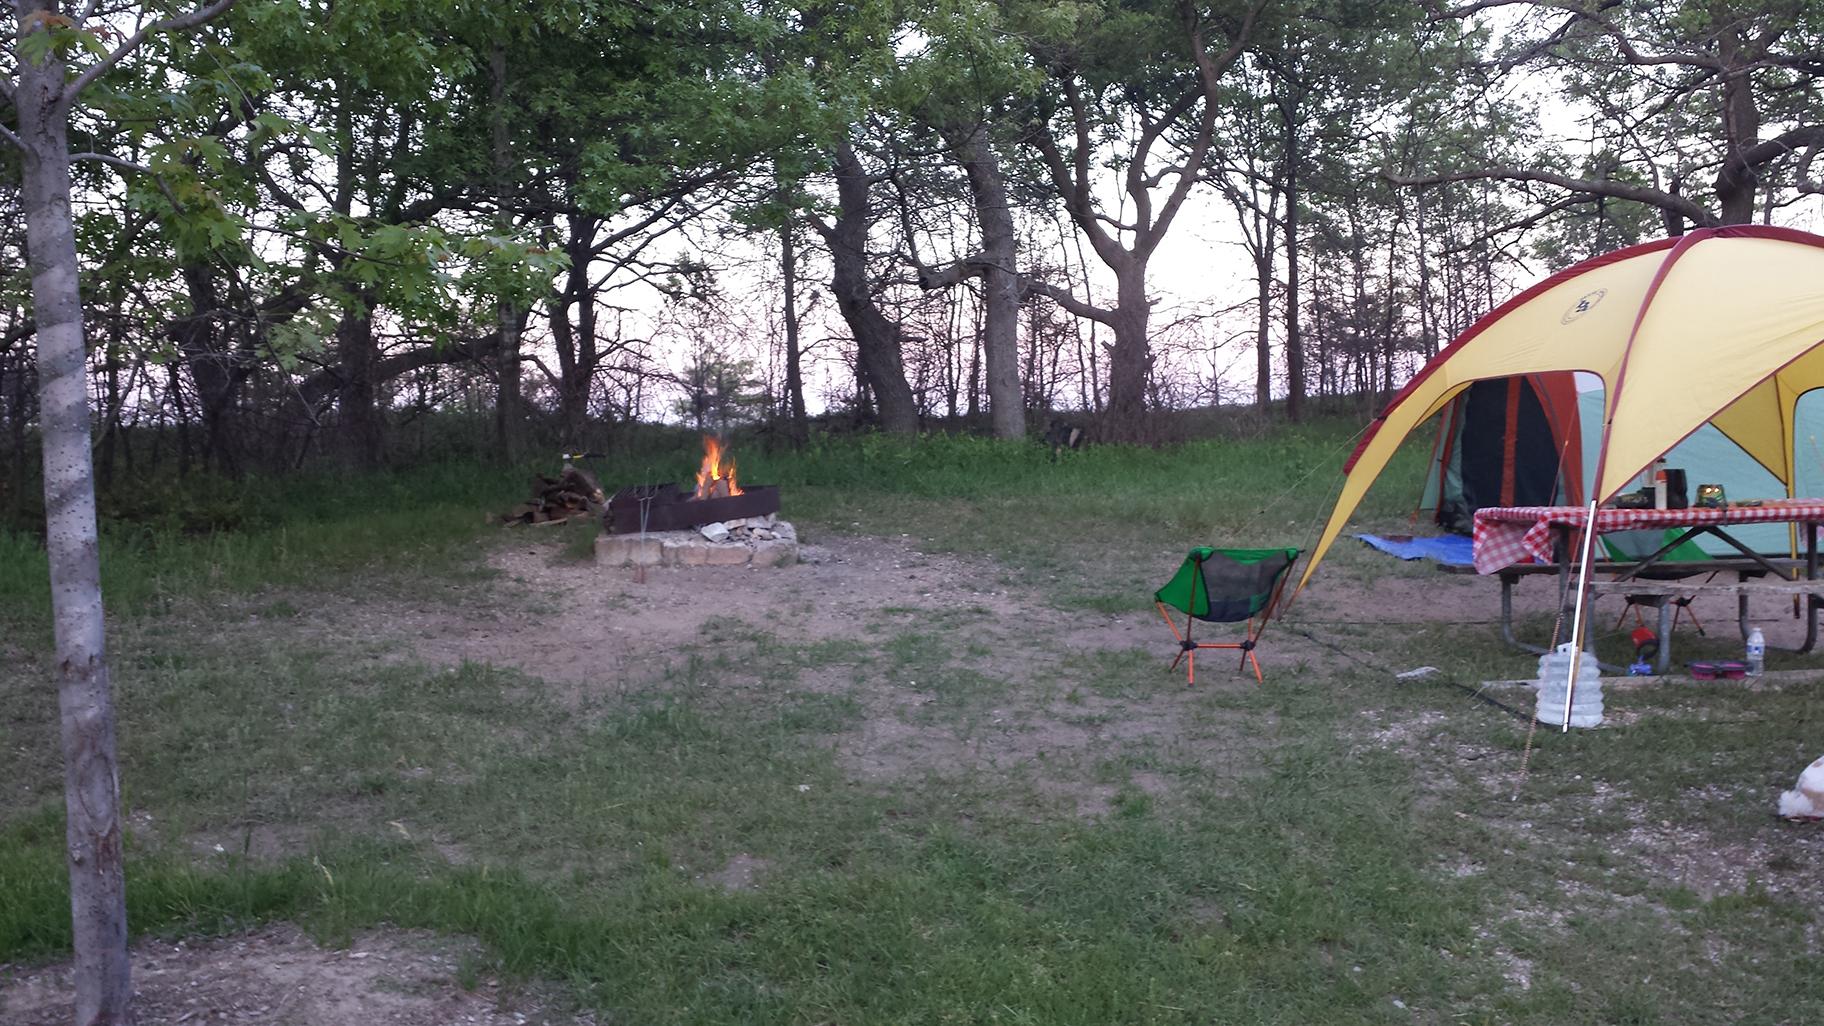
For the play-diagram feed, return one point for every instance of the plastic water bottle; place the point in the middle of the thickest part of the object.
(1757, 653)
(1554, 674)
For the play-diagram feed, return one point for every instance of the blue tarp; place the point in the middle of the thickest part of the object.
(1453, 549)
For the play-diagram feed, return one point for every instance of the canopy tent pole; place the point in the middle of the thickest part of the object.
(1583, 580)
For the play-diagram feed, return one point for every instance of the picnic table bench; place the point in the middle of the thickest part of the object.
(1658, 591)
(1511, 541)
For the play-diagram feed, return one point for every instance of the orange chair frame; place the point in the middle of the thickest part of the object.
(1188, 646)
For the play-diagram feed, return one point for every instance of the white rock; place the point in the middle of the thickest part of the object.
(727, 555)
(714, 532)
(627, 550)
(775, 553)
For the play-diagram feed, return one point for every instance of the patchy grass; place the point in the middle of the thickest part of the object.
(578, 851)
(167, 539)
(1079, 840)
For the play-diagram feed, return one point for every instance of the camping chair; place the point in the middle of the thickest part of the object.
(1224, 586)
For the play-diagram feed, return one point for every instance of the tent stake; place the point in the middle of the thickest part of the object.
(1583, 580)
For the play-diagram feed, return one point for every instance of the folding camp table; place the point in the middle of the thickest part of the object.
(1509, 538)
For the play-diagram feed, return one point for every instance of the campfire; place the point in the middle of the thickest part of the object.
(714, 479)
(718, 522)
(716, 498)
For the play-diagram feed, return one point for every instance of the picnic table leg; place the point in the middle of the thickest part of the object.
(1561, 548)
(1507, 617)
(1664, 662)
(1811, 574)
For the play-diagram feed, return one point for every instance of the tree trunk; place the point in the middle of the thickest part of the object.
(578, 350)
(98, 907)
(1295, 346)
(973, 388)
(1737, 181)
(794, 354)
(1263, 349)
(211, 365)
(1387, 319)
(563, 341)
(1130, 359)
(509, 411)
(363, 424)
(878, 343)
(111, 409)
(1000, 283)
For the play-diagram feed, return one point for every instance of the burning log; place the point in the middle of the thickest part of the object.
(718, 523)
(573, 493)
(715, 477)
(667, 507)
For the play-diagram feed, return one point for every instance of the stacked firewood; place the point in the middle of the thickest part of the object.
(573, 493)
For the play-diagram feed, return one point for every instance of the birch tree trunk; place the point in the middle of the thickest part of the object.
(91, 784)
(42, 95)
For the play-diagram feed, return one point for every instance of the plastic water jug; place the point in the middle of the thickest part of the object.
(1554, 678)
(1757, 653)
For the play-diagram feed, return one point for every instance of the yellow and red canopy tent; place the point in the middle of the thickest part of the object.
(1723, 326)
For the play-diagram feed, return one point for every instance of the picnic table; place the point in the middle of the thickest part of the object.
(1515, 541)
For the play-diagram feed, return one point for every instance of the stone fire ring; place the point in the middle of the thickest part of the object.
(752, 541)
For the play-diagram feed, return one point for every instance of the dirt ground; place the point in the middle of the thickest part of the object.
(859, 590)
(588, 628)
(279, 977)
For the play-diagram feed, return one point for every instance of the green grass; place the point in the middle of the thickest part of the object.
(183, 542)
(894, 904)
(170, 539)
(1314, 893)
(1331, 848)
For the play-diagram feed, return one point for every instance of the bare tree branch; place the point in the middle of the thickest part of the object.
(112, 161)
(1064, 298)
(1739, 166)
(319, 386)
(175, 23)
(1209, 77)
(1618, 190)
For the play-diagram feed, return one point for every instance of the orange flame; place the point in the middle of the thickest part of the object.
(716, 477)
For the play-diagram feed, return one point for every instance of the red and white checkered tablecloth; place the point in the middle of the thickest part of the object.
(1505, 535)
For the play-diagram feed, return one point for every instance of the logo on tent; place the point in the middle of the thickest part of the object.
(1584, 305)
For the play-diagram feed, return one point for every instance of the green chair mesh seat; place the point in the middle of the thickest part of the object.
(1224, 586)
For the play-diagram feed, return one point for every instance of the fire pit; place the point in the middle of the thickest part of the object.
(667, 507)
(717, 523)
(716, 499)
